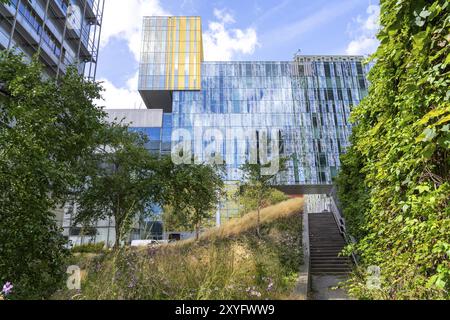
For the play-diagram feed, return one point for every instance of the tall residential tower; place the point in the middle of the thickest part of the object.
(62, 32)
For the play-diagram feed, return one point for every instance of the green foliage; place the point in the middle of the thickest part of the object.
(89, 248)
(45, 127)
(249, 203)
(395, 185)
(352, 191)
(192, 192)
(257, 185)
(275, 197)
(175, 220)
(120, 180)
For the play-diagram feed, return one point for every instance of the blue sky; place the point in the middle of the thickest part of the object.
(235, 30)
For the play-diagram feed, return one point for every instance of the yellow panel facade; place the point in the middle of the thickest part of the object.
(172, 54)
(184, 65)
(192, 54)
(181, 53)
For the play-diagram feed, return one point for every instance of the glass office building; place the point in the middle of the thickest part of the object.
(305, 102)
(63, 32)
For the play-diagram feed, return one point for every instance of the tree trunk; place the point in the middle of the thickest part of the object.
(117, 242)
(197, 231)
(258, 222)
(118, 225)
(258, 219)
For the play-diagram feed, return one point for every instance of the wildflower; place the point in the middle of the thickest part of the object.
(252, 292)
(255, 293)
(7, 288)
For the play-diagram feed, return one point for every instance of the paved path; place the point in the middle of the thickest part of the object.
(322, 288)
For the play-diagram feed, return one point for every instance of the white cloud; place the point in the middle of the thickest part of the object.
(126, 22)
(121, 98)
(364, 31)
(224, 16)
(222, 43)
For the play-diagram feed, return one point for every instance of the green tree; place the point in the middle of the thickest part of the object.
(121, 181)
(194, 192)
(45, 127)
(258, 185)
(248, 202)
(395, 184)
(175, 220)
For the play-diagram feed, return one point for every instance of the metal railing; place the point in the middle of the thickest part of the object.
(340, 221)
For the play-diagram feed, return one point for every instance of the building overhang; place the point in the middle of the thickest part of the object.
(171, 59)
(158, 99)
(136, 118)
(305, 189)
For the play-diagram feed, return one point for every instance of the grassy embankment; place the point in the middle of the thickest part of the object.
(227, 263)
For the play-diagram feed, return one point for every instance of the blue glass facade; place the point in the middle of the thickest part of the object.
(307, 101)
(304, 103)
(159, 138)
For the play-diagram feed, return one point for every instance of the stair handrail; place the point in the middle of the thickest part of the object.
(340, 221)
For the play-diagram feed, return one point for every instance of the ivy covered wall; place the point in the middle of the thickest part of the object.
(394, 184)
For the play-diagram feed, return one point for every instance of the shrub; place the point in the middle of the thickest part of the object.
(89, 248)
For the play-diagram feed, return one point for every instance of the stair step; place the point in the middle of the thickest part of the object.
(321, 257)
(330, 268)
(334, 273)
(326, 245)
(327, 242)
(330, 262)
(333, 258)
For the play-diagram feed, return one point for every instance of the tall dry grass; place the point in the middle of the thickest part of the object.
(237, 226)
